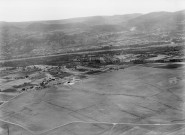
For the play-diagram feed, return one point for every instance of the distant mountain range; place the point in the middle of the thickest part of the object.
(23, 39)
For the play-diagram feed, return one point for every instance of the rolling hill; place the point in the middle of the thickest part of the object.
(26, 39)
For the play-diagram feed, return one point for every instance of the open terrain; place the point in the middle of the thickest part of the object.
(102, 75)
(145, 98)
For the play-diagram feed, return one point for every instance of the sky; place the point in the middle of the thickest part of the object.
(34, 10)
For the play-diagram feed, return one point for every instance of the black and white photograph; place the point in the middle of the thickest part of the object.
(92, 67)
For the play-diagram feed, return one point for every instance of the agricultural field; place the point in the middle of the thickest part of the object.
(137, 98)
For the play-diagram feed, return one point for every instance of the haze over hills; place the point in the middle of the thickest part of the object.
(94, 75)
(27, 39)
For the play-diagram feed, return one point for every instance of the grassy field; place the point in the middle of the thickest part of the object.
(125, 101)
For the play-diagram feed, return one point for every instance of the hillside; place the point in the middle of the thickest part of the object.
(27, 39)
(159, 21)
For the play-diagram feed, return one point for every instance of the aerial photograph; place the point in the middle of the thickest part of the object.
(92, 67)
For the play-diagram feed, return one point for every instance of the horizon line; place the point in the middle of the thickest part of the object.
(89, 16)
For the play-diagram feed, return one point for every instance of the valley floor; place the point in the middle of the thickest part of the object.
(144, 99)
